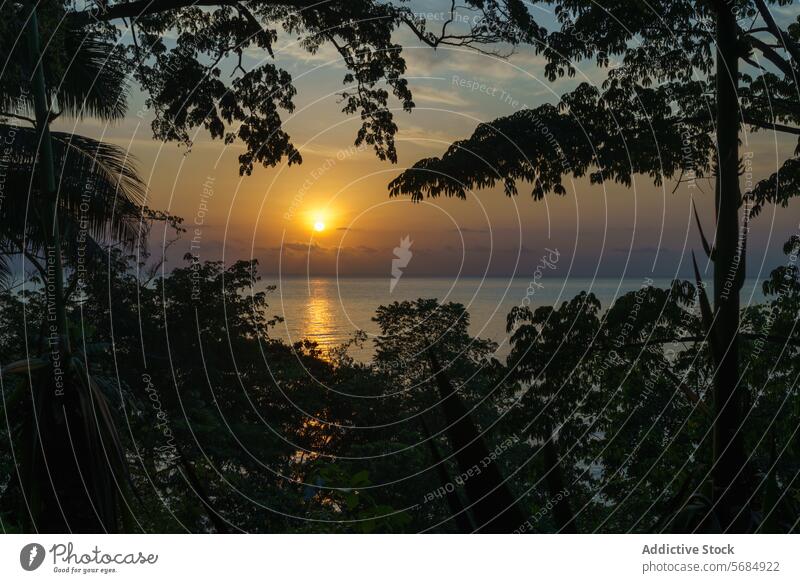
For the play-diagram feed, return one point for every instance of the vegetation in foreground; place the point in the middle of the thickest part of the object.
(598, 420)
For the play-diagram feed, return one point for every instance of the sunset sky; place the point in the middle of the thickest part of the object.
(605, 230)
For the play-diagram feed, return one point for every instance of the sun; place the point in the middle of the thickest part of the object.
(319, 220)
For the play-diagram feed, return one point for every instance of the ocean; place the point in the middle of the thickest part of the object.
(330, 310)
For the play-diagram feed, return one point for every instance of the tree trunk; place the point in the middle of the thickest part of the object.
(727, 476)
(47, 178)
(457, 511)
(493, 506)
(72, 487)
(562, 511)
(194, 482)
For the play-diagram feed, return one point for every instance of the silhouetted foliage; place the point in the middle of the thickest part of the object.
(690, 76)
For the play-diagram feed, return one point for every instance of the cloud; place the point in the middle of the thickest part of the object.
(355, 230)
(641, 250)
(363, 249)
(292, 51)
(426, 137)
(429, 94)
(445, 61)
(296, 247)
(317, 249)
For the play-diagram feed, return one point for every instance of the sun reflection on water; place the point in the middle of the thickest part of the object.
(319, 317)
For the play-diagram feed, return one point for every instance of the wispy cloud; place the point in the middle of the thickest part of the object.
(425, 137)
(444, 96)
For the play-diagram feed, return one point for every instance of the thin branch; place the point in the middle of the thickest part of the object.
(456, 40)
(787, 41)
(238, 66)
(17, 116)
(449, 20)
(752, 63)
(768, 125)
(254, 23)
(771, 55)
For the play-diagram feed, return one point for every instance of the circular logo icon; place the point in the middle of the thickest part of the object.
(31, 556)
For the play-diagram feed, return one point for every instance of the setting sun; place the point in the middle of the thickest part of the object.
(319, 219)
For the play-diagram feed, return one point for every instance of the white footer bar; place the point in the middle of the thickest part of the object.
(399, 558)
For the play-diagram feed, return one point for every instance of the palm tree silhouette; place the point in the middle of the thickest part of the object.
(72, 465)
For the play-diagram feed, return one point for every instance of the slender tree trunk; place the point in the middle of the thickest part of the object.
(67, 474)
(493, 506)
(205, 499)
(562, 511)
(47, 177)
(458, 513)
(728, 489)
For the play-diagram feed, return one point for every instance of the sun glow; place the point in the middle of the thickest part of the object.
(318, 220)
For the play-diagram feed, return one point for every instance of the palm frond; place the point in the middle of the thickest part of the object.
(99, 188)
(86, 74)
(95, 82)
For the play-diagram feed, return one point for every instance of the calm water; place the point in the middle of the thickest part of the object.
(330, 310)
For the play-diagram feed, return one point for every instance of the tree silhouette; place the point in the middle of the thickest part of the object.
(185, 92)
(691, 76)
(432, 341)
(185, 83)
(70, 194)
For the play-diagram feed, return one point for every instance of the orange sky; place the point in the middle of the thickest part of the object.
(270, 214)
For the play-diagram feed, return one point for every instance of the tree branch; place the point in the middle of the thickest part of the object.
(16, 116)
(769, 125)
(788, 43)
(771, 55)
